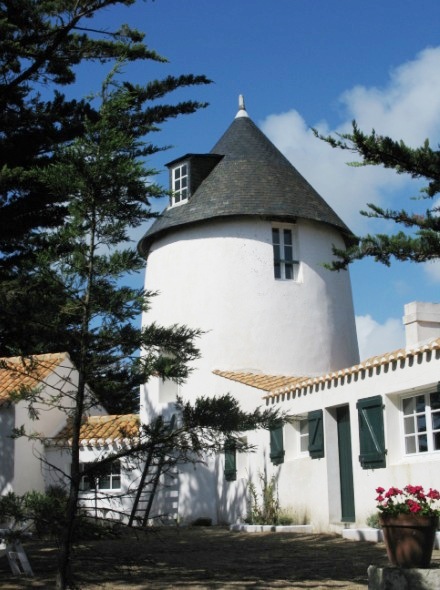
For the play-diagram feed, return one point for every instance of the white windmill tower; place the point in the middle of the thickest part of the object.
(239, 253)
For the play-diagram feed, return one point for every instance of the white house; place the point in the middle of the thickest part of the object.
(53, 376)
(239, 253)
(43, 459)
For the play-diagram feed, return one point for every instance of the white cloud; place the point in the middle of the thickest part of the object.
(375, 338)
(407, 108)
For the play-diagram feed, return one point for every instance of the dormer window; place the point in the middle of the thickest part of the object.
(179, 184)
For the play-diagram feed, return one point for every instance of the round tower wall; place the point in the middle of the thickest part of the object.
(219, 277)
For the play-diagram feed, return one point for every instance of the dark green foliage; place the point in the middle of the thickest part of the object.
(224, 415)
(419, 240)
(44, 514)
(102, 178)
(41, 44)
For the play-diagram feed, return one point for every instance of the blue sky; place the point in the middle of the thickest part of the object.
(302, 64)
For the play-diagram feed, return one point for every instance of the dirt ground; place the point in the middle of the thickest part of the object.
(201, 558)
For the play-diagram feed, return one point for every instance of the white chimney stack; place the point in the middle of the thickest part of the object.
(422, 323)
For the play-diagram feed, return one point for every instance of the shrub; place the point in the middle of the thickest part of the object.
(266, 510)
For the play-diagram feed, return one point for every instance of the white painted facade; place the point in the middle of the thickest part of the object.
(21, 457)
(219, 277)
(312, 486)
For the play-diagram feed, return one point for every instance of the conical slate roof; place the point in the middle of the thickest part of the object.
(250, 177)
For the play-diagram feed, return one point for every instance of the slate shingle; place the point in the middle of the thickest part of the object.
(251, 178)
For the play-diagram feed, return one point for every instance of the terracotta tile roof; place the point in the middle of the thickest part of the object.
(260, 381)
(18, 372)
(101, 429)
(400, 355)
(279, 385)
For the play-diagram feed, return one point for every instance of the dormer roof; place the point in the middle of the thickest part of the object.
(249, 177)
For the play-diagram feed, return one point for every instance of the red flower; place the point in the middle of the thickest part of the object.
(380, 490)
(433, 494)
(393, 492)
(414, 507)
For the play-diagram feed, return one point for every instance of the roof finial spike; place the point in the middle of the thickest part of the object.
(241, 108)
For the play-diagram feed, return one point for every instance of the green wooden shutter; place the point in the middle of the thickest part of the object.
(230, 462)
(316, 434)
(371, 433)
(277, 445)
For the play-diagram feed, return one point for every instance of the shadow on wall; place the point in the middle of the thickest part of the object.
(232, 497)
(7, 448)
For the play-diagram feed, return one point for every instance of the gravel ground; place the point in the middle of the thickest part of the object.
(199, 558)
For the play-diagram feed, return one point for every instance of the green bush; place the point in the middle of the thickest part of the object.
(264, 510)
(373, 521)
(44, 515)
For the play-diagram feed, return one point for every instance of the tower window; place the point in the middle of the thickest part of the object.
(284, 259)
(180, 184)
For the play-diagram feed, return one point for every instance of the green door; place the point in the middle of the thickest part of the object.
(345, 464)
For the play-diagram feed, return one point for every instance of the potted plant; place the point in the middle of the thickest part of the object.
(409, 520)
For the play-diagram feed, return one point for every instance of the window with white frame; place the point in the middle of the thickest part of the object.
(285, 260)
(421, 423)
(101, 477)
(179, 184)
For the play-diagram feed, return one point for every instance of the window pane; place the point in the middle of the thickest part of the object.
(184, 170)
(277, 270)
(275, 236)
(410, 444)
(287, 237)
(177, 173)
(421, 423)
(104, 482)
(436, 441)
(435, 401)
(409, 425)
(436, 421)
(185, 182)
(423, 443)
(289, 271)
(420, 403)
(288, 253)
(116, 482)
(408, 405)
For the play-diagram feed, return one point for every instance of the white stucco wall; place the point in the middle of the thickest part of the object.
(218, 277)
(56, 392)
(111, 504)
(311, 487)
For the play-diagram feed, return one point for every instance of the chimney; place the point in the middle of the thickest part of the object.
(422, 323)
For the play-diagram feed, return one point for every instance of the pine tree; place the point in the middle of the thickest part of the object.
(103, 179)
(419, 238)
(41, 44)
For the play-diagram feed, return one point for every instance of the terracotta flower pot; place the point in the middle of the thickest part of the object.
(409, 539)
